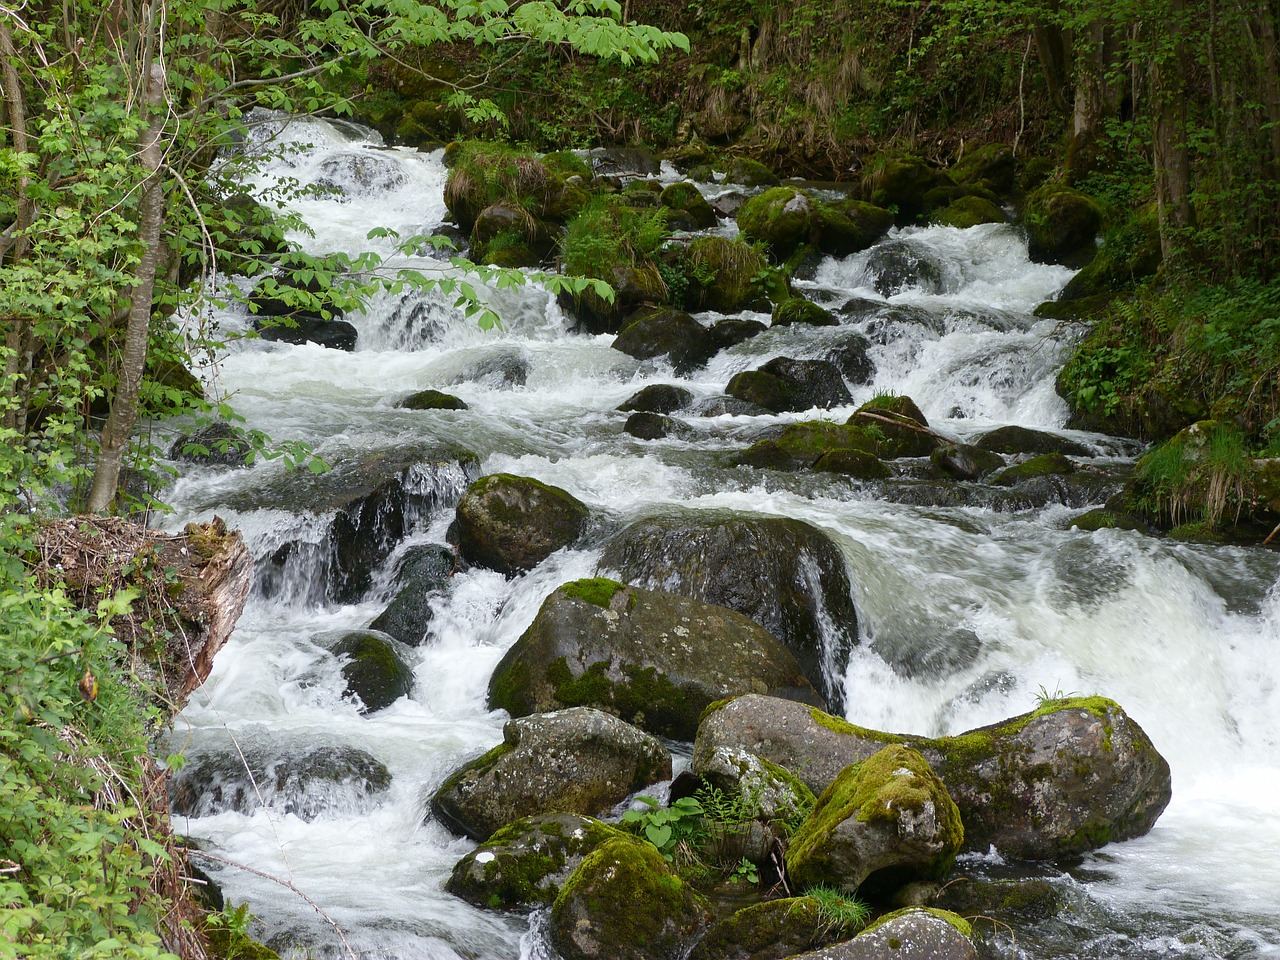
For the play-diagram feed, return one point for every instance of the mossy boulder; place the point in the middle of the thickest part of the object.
(509, 523)
(799, 310)
(732, 331)
(375, 670)
(729, 275)
(1130, 253)
(800, 446)
(991, 166)
(900, 183)
(782, 218)
(690, 205)
(783, 573)
(657, 398)
(915, 933)
(634, 285)
(1015, 439)
(666, 333)
(850, 226)
(772, 792)
(577, 760)
(1067, 777)
(655, 659)
(784, 384)
(964, 461)
(750, 173)
(484, 173)
(432, 400)
(964, 212)
(506, 235)
(898, 265)
(882, 822)
(1009, 901)
(526, 862)
(623, 903)
(423, 575)
(898, 427)
(656, 426)
(1062, 225)
(1042, 465)
(766, 931)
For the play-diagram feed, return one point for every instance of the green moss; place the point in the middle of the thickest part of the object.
(715, 705)
(967, 212)
(802, 444)
(599, 591)
(509, 689)
(957, 921)
(591, 688)
(432, 400)
(782, 218)
(1043, 465)
(228, 944)
(799, 310)
(728, 275)
(480, 763)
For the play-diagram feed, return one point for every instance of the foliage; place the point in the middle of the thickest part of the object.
(1201, 475)
(667, 827)
(608, 232)
(840, 912)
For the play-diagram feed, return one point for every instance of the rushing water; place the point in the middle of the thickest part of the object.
(1005, 604)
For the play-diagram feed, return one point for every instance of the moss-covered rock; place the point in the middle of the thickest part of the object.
(374, 670)
(485, 173)
(854, 463)
(1062, 225)
(654, 659)
(900, 183)
(657, 398)
(786, 575)
(992, 166)
(1009, 901)
(685, 198)
(883, 822)
(510, 523)
(526, 862)
(750, 173)
(1130, 253)
(782, 218)
(912, 934)
(765, 931)
(769, 792)
(1015, 439)
(964, 461)
(897, 426)
(432, 400)
(623, 903)
(577, 760)
(1042, 465)
(1068, 777)
(666, 333)
(784, 384)
(802, 311)
(729, 275)
(850, 226)
(800, 445)
(964, 212)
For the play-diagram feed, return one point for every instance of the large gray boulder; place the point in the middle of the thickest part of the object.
(509, 523)
(654, 659)
(911, 934)
(527, 862)
(623, 903)
(572, 761)
(882, 822)
(785, 574)
(784, 384)
(424, 573)
(1068, 777)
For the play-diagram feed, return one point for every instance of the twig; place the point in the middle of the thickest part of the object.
(906, 422)
(1271, 535)
(287, 885)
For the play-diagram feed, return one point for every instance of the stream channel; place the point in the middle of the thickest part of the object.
(965, 612)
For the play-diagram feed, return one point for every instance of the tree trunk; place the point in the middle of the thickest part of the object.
(13, 244)
(1169, 141)
(124, 408)
(1269, 70)
(1054, 52)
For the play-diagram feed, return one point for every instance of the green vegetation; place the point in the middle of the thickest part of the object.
(839, 911)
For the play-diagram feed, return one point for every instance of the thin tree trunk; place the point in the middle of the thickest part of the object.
(1269, 69)
(124, 408)
(14, 245)
(1170, 153)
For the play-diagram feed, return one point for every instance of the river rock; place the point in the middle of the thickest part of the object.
(964, 212)
(431, 400)
(726, 406)
(964, 461)
(577, 760)
(1066, 778)
(732, 331)
(782, 218)
(899, 265)
(686, 200)
(623, 903)
(359, 174)
(304, 328)
(896, 425)
(1043, 465)
(784, 574)
(657, 398)
(338, 780)
(911, 934)
(424, 572)
(374, 670)
(654, 659)
(1062, 225)
(901, 183)
(766, 931)
(784, 384)
(853, 361)
(798, 310)
(850, 226)
(1015, 439)
(771, 792)
(655, 426)
(666, 333)
(882, 822)
(527, 862)
(509, 523)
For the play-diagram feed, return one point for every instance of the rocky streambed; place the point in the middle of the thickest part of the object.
(825, 573)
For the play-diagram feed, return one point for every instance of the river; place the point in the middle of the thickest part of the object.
(1011, 604)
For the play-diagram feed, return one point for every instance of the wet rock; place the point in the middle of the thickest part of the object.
(359, 175)
(732, 331)
(633, 287)
(655, 426)
(1043, 465)
(424, 573)
(623, 903)
(775, 793)
(374, 670)
(623, 161)
(750, 173)
(507, 235)
(882, 822)
(667, 333)
(911, 934)
(577, 760)
(783, 573)
(527, 862)
(784, 384)
(782, 218)
(458, 244)
(432, 400)
(766, 931)
(850, 226)
(1010, 901)
(728, 406)
(853, 361)
(964, 212)
(500, 370)
(685, 198)
(509, 523)
(800, 446)
(654, 659)
(802, 311)
(728, 204)
(897, 426)
(739, 278)
(1066, 778)
(1062, 225)
(898, 265)
(301, 328)
(1014, 439)
(850, 462)
(901, 183)
(964, 461)
(219, 444)
(657, 398)
(339, 780)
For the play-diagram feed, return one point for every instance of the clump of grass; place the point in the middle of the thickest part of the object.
(608, 233)
(839, 912)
